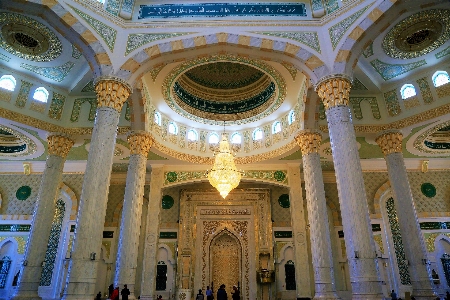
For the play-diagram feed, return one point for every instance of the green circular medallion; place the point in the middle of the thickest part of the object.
(279, 175)
(23, 192)
(428, 190)
(283, 200)
(167, 202)
(171, 176)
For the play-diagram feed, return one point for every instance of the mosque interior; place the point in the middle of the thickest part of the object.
(336, 113)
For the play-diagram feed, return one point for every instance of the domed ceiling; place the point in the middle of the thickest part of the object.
(224, 91)
(224, 88)
(28, 44)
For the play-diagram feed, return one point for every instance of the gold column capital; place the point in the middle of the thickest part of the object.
(59, 144)
(390, 142)
(140, 142)
(334, 91)
(112, 92)
(309, 141)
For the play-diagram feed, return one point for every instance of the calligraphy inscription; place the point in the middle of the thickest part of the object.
(222, 10)
(225, 211)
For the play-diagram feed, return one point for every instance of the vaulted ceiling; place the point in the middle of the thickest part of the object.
(248, 69)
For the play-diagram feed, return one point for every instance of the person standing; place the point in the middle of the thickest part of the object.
(393, 295)
(236, 293)
(221, 293)
(200, 295)
(110, 291)
(125, 292)
(115, 294)
(209, 294)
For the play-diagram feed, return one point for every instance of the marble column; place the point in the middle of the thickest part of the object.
(148, 284)
(390, 143)
(130, 225)
(334, 92)
(82, 274)
(298, 220)
(322, 260)
(58, 147)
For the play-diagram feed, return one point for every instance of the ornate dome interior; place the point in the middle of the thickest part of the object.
(203, 77)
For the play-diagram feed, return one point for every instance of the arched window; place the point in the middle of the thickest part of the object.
(236, 138)
(257, 134)
(407, 91)
(213, 138)
(440, 78)
(157, 118)
(192, 135)
(276, 127)
(291, 117)
(173, 128)
(40, 94)
(8, 82)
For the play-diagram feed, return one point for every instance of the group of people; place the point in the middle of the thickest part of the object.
(221, 294)
(394, 296)
(114, 293)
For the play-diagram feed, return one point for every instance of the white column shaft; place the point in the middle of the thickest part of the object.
(319, 228)
(148, 284)
(92, 208)
(40, 228)
(302, 264)
(355, 213)
(413, 243)
(130, 224)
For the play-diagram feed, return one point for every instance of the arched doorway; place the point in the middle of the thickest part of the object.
(226, 260)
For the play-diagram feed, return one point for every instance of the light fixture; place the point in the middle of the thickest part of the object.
(224, 175)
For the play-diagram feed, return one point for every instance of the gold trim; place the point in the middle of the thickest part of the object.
(416, 119)
(309, 142)
(390, 142)
(39, 124)
(239, 160)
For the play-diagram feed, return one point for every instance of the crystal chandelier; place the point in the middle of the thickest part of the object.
(224, 176)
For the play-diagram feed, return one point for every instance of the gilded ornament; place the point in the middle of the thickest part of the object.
(390, 142)
(59, 144)
(213, 118)
(334, 91)
(140, 142)
(112, 92)
(418, 34)
(309, 142)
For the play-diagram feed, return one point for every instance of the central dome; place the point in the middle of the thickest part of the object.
(224, 91)
(224, 75)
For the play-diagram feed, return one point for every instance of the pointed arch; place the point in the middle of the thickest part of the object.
(362, 34)
(308, 61)
(73, 198)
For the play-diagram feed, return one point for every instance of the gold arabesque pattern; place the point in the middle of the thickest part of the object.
(140, 142)
(59, 144)
(309, 142)
(112, 93)
(390, 142)
(334, 91)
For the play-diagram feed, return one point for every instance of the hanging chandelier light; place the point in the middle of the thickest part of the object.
(224, 175)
